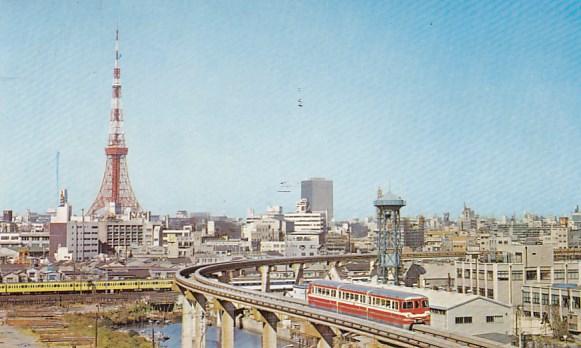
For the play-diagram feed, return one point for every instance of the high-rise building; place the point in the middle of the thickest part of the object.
(7, 216)
(319, 194)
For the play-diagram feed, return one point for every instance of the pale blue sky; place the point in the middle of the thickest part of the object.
(466, 101)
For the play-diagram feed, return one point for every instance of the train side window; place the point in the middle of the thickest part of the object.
(425, 304)
(408, 305)
(396, 305)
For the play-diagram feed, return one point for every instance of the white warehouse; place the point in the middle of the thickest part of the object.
(465, 313)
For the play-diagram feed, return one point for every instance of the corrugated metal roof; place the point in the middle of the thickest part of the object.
(445, 300)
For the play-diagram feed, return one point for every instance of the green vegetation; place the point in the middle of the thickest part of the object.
(83, 325)
(131, 314)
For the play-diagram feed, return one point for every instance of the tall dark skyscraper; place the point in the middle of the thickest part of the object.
(319, 193)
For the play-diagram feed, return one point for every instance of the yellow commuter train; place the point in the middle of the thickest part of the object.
(86, 286)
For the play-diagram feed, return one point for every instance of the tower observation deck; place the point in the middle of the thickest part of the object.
(116, 188)
(388, 237)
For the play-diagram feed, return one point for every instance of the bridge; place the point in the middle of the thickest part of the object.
(203, 292)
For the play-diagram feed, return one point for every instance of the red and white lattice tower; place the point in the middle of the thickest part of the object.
(116, 187)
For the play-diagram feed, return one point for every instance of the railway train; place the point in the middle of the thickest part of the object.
(85, 286)
(256, 284)
(392, 307)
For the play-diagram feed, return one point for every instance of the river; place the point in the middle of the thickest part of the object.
(242, 338)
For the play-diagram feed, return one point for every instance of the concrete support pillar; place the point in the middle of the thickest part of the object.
(199, 321)
(187, 323)
(332, 272)
(270, 321)
(326, 335)
(227, 315)
(298, 269)
(264, 278)
(239, 315)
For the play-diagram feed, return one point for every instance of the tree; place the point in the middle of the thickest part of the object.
(559, 324)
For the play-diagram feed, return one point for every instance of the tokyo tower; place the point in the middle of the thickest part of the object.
(116, 187)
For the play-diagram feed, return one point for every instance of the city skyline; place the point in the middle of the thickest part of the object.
(442, 103)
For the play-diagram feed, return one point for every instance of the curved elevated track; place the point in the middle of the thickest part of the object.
(201, 280)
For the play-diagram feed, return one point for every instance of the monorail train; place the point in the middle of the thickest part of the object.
(85, 286)
(392, 307)
(256, 284)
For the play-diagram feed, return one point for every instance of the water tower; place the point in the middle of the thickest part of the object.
(388, 243)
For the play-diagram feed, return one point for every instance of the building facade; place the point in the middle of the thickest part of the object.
(319, 194)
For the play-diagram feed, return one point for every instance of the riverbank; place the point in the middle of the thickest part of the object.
(43, 326)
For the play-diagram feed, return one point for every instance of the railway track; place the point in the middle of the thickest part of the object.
(62, 299)
(198, 279)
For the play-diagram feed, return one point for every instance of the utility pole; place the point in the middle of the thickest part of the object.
(96, 325)
(152, 335)
(517, 328)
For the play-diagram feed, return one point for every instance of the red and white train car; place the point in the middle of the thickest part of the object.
(392, 307)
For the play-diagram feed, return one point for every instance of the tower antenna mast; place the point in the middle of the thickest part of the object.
(116, 188)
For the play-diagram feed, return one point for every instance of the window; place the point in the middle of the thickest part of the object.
(545, 299)
(517, 275)
(494, 319)
(489, 275)
(408, 305)
(573, 274)
(526, 297)
(576, 303)
(502, 275)
(460, 290)
(559, 275)
(437, 311)
(463, 320)
(554, 299)
(536, 298)
(459, 272)
(490, 293)
(532, 275)
(425, 304)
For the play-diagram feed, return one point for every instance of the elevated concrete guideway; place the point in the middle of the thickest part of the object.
(200, 289)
